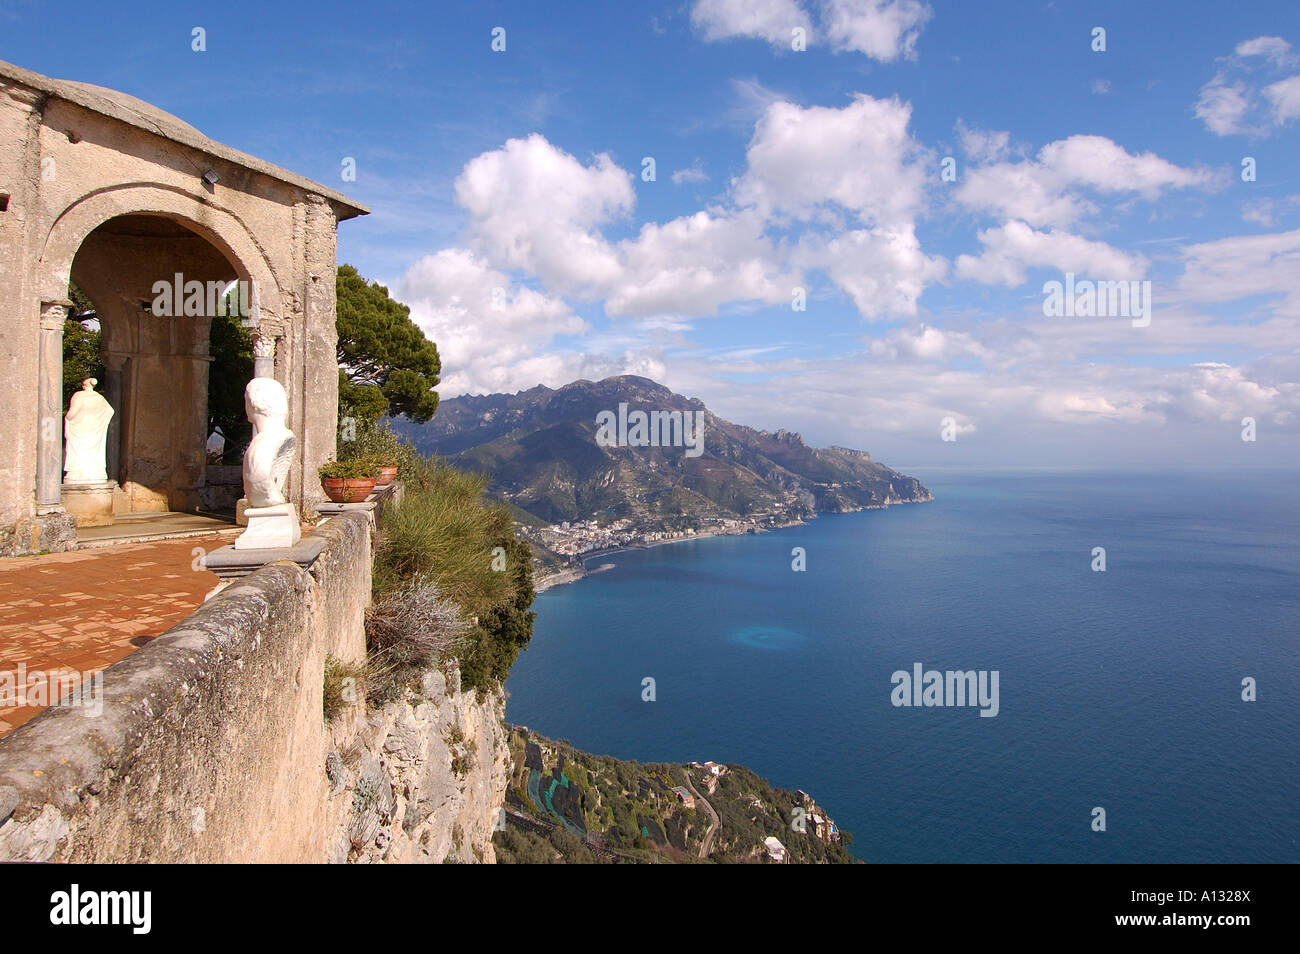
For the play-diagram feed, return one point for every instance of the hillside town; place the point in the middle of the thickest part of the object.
(581, 539)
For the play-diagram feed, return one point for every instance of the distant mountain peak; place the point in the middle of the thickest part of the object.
(541, 446)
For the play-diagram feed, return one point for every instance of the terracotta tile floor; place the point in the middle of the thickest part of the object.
(82, 611)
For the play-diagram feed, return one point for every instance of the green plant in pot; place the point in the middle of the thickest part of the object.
(387, 464)
(348, 481)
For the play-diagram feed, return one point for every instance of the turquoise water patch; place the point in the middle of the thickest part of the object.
(767, 637)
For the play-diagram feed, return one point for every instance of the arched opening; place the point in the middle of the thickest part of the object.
(174, 359)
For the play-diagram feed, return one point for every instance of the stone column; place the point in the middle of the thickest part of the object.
(49, 405)
(265, 334)
(314, 397)
(263, 352)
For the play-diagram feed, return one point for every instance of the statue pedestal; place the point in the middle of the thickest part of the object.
(231, 565)
(90, 503)
(270, 528)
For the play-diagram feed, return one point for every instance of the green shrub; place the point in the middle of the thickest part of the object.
(445, 537)
(378, 440)
(442, 532)
(494, 644)
(358, 468)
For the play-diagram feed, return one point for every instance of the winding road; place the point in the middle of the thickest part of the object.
(707, 845)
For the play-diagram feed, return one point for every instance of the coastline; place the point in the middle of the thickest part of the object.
(585, 569)
(573, 574)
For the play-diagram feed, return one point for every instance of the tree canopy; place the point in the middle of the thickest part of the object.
(386, 364)
(231, 347)
(81, 358)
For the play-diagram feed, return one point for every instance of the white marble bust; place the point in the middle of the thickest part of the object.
(269, 455)
(85, 430)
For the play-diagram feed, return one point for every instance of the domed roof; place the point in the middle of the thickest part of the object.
(133, 111)
(147, 114)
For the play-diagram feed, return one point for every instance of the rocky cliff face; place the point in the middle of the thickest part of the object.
(540, 447)
(420, 780)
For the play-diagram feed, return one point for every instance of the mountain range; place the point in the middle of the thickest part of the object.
(549, 456)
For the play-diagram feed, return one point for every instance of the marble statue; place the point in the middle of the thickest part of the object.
(272, 520)
(267, 460)
(85, 430)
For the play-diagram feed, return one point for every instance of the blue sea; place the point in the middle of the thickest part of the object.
(1119, 690)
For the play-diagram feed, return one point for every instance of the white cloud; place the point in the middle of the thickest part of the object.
(1266, 212)
(537, 208)
(1259, 211)
(818, 165)
(849, 183)
(881, 29)
(553, 369)
(752, 99)
(1021, 190)
(1067, 405)
(1012, 248)
(1223, 106)
(1217, 391)
(1033, 391)
(1242, 266)
(1045, 190)
(1099, 163)
(982, 145)
(771, 20)
(693, 174)
(1231, 102)
(837, 192)
(695, 263)
(926, 344)
(883, 270)
(479, 319)
(1273, 48)
(860, 158)
(1047, 407)
(1284, 95)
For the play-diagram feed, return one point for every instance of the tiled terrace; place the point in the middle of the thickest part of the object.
(84, 610)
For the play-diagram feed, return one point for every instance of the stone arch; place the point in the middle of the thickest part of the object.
(121, 158)
(221, 227)
(156, 450)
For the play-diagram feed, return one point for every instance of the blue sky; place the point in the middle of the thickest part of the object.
(511, 212)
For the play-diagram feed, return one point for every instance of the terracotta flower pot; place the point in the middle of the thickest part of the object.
(347, 489)
(386, 475)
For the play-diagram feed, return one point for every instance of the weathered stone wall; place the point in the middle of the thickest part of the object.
(212, 744)
(422, 779)
(223, 485)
